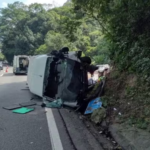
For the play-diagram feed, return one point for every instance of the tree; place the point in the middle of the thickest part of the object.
(23, 28)
(2, 57)
(126, 26)
(38, 29)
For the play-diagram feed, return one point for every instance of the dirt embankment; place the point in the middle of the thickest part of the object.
(127, 98)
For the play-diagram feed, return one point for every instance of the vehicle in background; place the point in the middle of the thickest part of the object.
(20, 64)
(1, 65)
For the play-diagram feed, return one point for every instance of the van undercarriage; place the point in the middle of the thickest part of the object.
(65, 79)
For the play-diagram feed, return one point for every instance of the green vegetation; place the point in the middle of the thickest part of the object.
(130, 95)
(126, 26)
(2, 57)
(39, 29)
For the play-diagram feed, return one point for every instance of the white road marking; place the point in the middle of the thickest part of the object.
(53, 131)
(1, 75)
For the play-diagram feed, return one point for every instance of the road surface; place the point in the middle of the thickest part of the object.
(42, 129)
(2, 72)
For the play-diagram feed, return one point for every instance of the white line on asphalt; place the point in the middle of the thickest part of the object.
(1, 75)
(53, 131)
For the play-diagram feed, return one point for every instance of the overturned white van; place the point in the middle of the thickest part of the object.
(58, 75)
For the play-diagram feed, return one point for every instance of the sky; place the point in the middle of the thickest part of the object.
(3, 3)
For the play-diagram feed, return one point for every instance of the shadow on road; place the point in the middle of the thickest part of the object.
(11, 74)
(20, 74)
(8, 74)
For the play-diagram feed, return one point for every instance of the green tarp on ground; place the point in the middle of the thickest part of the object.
(23, 110)
(55, 104)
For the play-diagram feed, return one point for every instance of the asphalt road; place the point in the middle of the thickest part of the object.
(41, 129)
(20, 131)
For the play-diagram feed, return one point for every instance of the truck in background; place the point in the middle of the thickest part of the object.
(20, 64)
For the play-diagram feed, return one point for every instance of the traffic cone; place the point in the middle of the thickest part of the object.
(6, 70)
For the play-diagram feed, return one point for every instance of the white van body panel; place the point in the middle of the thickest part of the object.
(15, 63)
(36, 73)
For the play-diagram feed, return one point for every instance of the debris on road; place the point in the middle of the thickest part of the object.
(12, 107)
(94, 104)
(55, 104)
(23, 110)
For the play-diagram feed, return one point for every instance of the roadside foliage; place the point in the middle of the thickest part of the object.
(39, 29)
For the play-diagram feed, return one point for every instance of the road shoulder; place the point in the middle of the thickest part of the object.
(79, 136)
